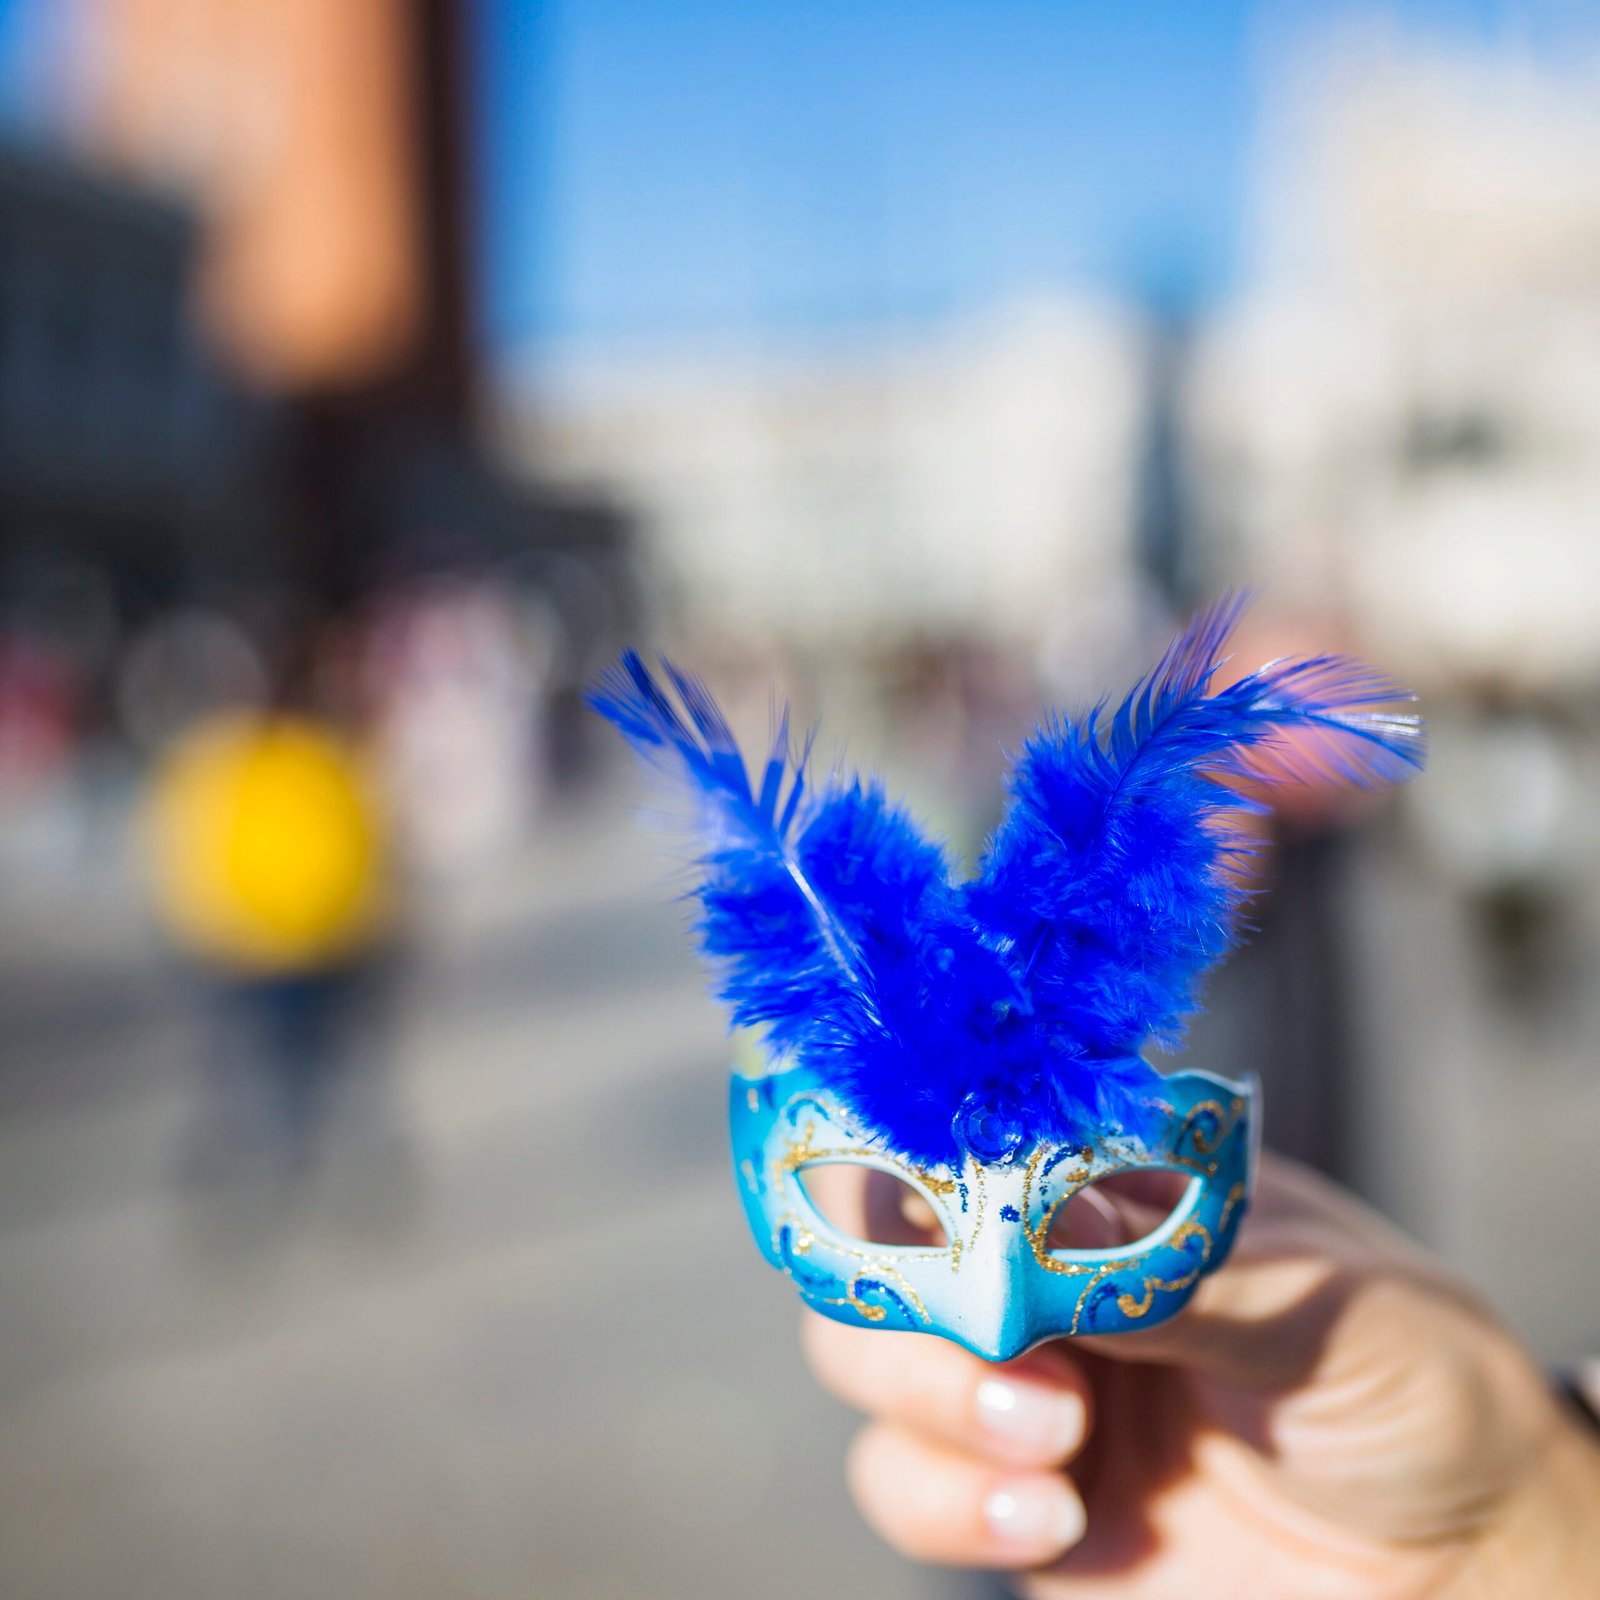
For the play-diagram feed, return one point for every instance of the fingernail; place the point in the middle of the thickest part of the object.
(1043, 1424)
(1039, 1515)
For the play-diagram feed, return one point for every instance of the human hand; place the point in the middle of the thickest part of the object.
(1333, 1417)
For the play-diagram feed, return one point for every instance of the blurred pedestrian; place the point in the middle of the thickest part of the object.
(271, 872)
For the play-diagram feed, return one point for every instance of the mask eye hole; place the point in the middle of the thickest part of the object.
(1118, 1210)
(872, 1205)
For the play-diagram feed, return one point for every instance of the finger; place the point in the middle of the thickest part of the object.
(935, 1504)
(1035, 1410)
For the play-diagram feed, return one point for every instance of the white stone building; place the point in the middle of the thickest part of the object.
(1402, 417)
(974, 479)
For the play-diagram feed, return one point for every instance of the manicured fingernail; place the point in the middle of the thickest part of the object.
(1041, 1516)
(1041, 1423)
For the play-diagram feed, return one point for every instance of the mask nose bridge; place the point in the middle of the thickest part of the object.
(1000, 1304)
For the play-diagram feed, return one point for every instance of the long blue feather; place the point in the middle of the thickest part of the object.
(806, 900)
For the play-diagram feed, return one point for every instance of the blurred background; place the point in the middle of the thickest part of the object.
(370, 373)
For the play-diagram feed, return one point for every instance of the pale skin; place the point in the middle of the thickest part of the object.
(1334, 1418)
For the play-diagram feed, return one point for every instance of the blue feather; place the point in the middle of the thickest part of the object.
(1115, 868)
(806, 900)
(1104, 896)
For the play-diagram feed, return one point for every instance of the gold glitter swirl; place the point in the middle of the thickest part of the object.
(1088, 1289)
(1130, 1307)
(1235, 1195)
(805, 1152)
(1135, 1306)
(1039, 1233)
(1226, 1117)
(1192, 1230)
(980, 1203)
(872, 1266)
(798, 1152)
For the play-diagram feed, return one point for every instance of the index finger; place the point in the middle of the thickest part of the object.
(1035, 1410)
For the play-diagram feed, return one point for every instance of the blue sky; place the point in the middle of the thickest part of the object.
(657, 169)
(660, 169)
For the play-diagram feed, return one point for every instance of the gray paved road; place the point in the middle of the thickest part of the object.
(509, 1339)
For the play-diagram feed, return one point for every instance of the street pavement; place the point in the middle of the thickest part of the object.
(506, 1336)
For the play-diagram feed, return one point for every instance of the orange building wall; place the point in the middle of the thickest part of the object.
(288, 121)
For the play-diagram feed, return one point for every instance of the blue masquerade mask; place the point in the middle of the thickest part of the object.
(998, 1283)
(981, 1041)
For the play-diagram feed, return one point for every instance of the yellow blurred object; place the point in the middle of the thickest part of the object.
(268, 845)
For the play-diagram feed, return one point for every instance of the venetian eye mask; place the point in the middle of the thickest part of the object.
(1005, 1274)
(982, 1042)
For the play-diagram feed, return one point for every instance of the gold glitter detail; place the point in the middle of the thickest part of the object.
(1226, 1117)
(1039, 1233)
(752, 1099)
(747, 1169)
(1235, 1195)
(1088, 1288)
(799, 1151)
(872, 1266)
(1027, 1176)
(805, 1152)
(1137, 1305)
(871, 1312)
(883, 1270)
(1132, 1306)
(1204, 1145)
(981, 1189)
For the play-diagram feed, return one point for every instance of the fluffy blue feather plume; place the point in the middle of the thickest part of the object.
(1107, 892)
(1114, 877)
